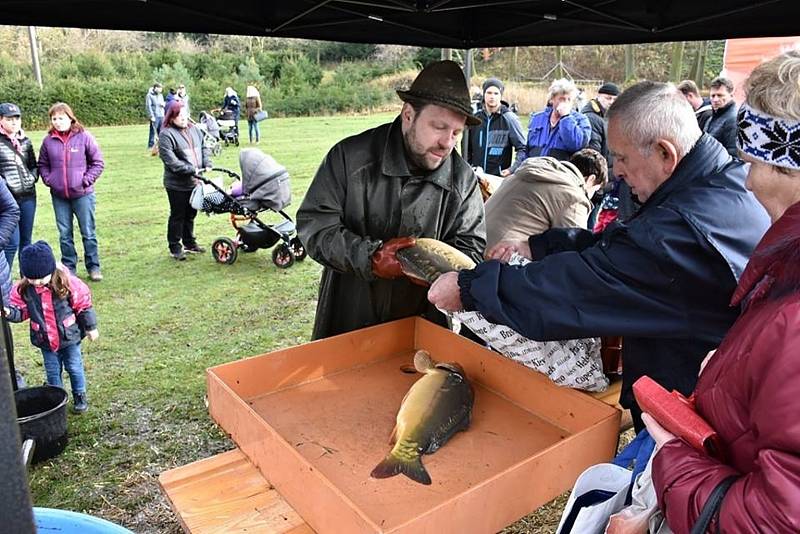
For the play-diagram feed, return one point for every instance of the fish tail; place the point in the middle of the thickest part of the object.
(410, 466)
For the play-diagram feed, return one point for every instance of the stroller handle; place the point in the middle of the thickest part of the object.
(225, 171)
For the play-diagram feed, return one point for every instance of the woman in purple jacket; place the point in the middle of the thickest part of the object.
(70, 162)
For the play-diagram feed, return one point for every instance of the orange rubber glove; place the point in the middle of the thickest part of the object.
(384, 260)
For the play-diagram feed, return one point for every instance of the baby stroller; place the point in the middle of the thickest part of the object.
(264, 187)
(208, 125)
(228, 127)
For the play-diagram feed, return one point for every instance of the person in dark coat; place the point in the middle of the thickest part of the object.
(663, 280)
(181, 147)
(748, 390)
(492, 143)
(377, 191)
(595, 111)
(9, 218)
(701, 106)
(19, 170)
(722, 124)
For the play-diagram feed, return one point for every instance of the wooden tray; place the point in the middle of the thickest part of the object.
(315, 419)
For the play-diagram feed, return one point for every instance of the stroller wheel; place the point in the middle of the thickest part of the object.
(298, 249)
(224, 250)
(282, 256)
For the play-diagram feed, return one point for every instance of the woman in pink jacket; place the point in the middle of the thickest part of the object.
(70, 162)
(749, 391)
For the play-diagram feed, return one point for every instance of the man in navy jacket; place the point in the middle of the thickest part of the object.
(663, 280)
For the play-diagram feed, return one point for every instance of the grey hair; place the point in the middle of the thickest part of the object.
(562, 86)
(774, 86)
(649, 111)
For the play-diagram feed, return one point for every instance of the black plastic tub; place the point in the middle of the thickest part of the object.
(42, 417)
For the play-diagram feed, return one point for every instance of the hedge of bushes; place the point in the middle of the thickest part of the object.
(110, 89)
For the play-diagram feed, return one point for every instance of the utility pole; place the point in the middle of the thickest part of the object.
(37, 69)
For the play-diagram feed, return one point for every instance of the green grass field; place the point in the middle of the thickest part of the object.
(162, 323)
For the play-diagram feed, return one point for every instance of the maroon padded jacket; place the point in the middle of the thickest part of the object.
(750, 393)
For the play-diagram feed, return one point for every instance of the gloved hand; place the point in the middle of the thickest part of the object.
(384, 260)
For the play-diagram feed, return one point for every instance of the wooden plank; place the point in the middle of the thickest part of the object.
(226, 493)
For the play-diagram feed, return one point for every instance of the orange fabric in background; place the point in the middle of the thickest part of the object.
(743, 55)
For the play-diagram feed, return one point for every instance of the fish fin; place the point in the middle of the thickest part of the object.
(393, 436)
(423, 361)
(392, 465)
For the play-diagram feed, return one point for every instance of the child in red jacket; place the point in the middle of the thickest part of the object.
(59, 306)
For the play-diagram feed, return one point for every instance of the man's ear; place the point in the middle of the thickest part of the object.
(407, 113)
(590, 180)
(668, 155)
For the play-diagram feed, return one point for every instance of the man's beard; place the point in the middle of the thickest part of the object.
(415, 154)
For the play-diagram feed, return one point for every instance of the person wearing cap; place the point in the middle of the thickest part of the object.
(59, 307)
(595, 110)
(558, 131)
(19, 171)
(491, 144)
(377, 191)
(154, 104)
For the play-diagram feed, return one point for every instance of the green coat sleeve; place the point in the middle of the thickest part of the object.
(320, 222)
(468, 231)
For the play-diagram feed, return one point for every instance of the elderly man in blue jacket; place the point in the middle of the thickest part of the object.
(557, 131)
(663, 280)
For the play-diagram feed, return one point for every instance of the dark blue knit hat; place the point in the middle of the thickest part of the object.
(494, 82)
(37, 261)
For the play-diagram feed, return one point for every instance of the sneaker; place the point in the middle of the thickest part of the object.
(79, 403)
(179, 255)
(194, 249)
(95, 276)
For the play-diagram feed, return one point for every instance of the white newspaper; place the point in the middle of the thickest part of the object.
(573, 363)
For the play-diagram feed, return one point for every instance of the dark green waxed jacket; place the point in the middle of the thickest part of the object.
(364, 194)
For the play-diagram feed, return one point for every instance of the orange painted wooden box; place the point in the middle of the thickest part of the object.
(316, 418)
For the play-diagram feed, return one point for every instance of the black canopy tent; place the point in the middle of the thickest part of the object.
(432, 23)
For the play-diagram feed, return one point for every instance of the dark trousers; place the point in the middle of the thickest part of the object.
(180, 226)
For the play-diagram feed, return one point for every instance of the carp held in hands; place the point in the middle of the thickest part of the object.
(430, 258)
(436, 407)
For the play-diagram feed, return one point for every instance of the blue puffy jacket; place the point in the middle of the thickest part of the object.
(570, 134)
(663, 280)
(9, 217)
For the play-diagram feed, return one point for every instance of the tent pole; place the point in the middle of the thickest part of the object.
(15, 506)
(468, 76)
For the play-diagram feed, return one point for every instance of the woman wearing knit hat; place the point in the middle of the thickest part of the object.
(59, 307)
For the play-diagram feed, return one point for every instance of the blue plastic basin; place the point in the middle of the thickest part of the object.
(50, 520)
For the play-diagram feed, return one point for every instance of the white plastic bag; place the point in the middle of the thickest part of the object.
(201, 190)
(593, 519)
(573, 363)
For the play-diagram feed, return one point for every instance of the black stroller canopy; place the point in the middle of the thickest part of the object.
(264, 181)
(433, 23)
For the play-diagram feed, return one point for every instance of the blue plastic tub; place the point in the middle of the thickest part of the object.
(49, 521)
